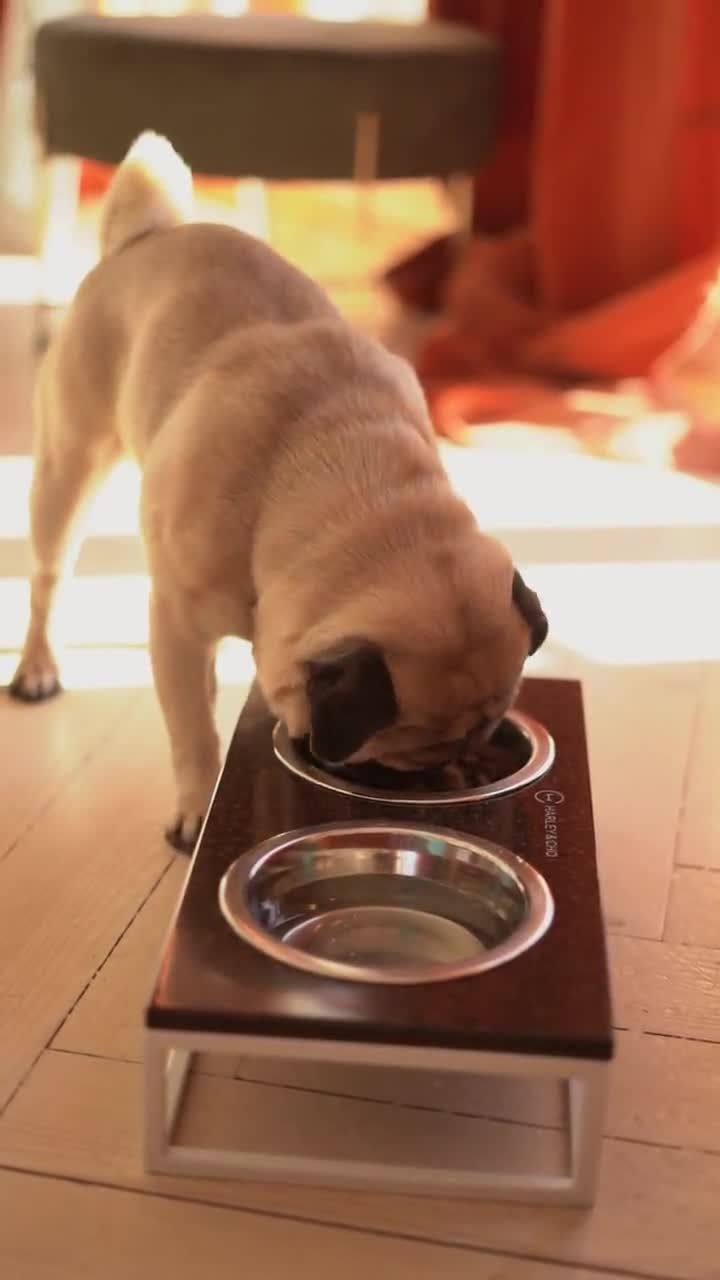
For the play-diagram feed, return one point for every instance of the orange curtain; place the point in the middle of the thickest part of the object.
(598, 218)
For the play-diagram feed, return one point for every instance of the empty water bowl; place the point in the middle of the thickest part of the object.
(519, 753)
(386, 903)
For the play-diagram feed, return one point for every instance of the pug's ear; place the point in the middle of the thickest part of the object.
(529, 605)
(351, 697)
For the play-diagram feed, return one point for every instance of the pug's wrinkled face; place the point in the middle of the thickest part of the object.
(413, 711)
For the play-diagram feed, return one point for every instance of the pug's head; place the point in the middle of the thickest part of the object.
(420, 670)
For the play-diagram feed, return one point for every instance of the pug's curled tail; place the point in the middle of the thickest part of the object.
(151, 190)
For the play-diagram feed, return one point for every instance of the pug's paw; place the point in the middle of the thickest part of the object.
(183, 834)
(37, 677)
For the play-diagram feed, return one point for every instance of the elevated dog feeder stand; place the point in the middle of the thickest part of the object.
(544, 1016)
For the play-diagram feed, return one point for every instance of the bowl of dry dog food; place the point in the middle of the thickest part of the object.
(519, 753)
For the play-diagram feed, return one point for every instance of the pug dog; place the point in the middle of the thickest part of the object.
(292, 495)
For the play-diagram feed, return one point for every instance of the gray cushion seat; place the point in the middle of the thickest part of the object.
(274, 98)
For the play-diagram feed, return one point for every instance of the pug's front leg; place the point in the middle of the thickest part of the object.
(183, 669)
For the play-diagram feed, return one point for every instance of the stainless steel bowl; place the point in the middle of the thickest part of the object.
(535, 752)
(386, 903)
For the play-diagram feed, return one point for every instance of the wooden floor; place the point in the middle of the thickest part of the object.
(627, 560)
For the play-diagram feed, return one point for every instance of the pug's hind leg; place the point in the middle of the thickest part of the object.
(182, 662)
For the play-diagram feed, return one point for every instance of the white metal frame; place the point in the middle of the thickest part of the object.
(168, 1057)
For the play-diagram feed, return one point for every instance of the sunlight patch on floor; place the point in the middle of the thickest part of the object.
(92, 610)
(113, 667)
(511, 490)
(631, 614)
(19, 280)
(506, 489)
(644, 607)
(114, 511)
(608, 614)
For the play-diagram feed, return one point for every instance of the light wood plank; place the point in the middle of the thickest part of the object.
(521, 1100)
(699, 835)
(662, 1091)
(656, 1213)
(641, 682)
(108, 1020)
(73, 883)
(640, 726)
(639, 730)
(55, 1230)
(694, 908)
(228, 1114)
(666, 988)
(665, 1090)
(43, 746)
